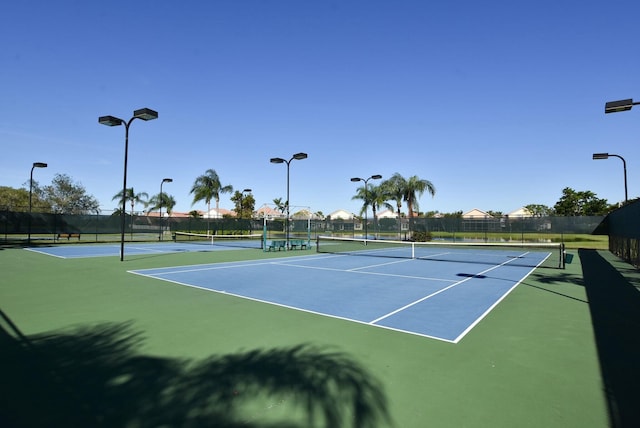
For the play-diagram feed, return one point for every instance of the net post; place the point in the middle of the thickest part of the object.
(264, 234)
(563, 256)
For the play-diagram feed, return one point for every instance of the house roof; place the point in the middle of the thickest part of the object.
(476, 213)
(174, 214)
(267, 211)
(520, 212)
(343, 214)
(387, 214)
(218, 213)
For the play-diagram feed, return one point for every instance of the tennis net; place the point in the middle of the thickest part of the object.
(515, 254)
(241, 241)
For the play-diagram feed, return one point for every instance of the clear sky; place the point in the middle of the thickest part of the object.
(499, 104)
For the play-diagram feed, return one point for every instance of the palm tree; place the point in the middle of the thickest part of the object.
(414, 188)
(134, 198)
(374, 196)
(168, 202)
(207, 187)
(394, 188)
(280, 205)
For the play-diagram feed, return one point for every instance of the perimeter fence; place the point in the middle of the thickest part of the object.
(623, 229)
(16, 226)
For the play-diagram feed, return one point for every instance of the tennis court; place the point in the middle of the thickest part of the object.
(425, 296)
(185, 242)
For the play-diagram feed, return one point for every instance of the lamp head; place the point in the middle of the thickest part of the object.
(616, 106)
(39, 165)
(376, 177)
(145, 114)
(110, 121)
(167, 180)
(299, 156)
(354, 179)
(246, 190)
(277, 160)
(600, 156)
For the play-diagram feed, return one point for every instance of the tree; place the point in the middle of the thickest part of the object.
(394, 188)
(580, 203)
(167, 202)
(133, 198)
(67, 197)
(18, 199)
(208, 187)
(280, 205)
(373, 196)
(414, 188)
(244, 205)
(538, 210)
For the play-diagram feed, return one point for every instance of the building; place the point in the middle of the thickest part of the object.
(341, 214)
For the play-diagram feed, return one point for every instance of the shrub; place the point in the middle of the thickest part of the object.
(421, 236)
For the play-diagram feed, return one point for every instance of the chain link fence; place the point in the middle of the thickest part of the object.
(100, 227)
(623, 229)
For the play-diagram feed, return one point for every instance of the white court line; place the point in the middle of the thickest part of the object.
(33, 250)
(438, 292)
(394, 275)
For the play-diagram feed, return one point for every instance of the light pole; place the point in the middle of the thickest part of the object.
(35, 165)
(242, 210)
(164, 180)
(297, 156)
(597, 156)
(144, 114)
(242, 200)
(366, 201)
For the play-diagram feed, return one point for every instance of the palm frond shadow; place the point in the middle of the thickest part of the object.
(94, 376)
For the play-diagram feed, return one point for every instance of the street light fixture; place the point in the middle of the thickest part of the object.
(35, 165)
(297, 156)
(598, 156)
(164, 180)
(366, 202)
(618, 106)
(143, 114)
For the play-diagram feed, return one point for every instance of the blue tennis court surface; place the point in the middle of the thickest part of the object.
(133, 249)
(435, 299)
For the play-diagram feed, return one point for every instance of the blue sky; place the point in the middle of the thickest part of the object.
(499, 104)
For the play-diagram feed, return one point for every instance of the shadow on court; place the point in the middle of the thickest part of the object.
(95, 377)
(615, 312)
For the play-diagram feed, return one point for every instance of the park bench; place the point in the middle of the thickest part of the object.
(298, 243)
(277, 244)
(69, 235)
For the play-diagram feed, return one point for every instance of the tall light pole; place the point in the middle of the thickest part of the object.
(35, 165)
(297, 156)
(242, 200)
(144, 114)
(242, 210)
(597, 156)
(164, 180)
(366, 201)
